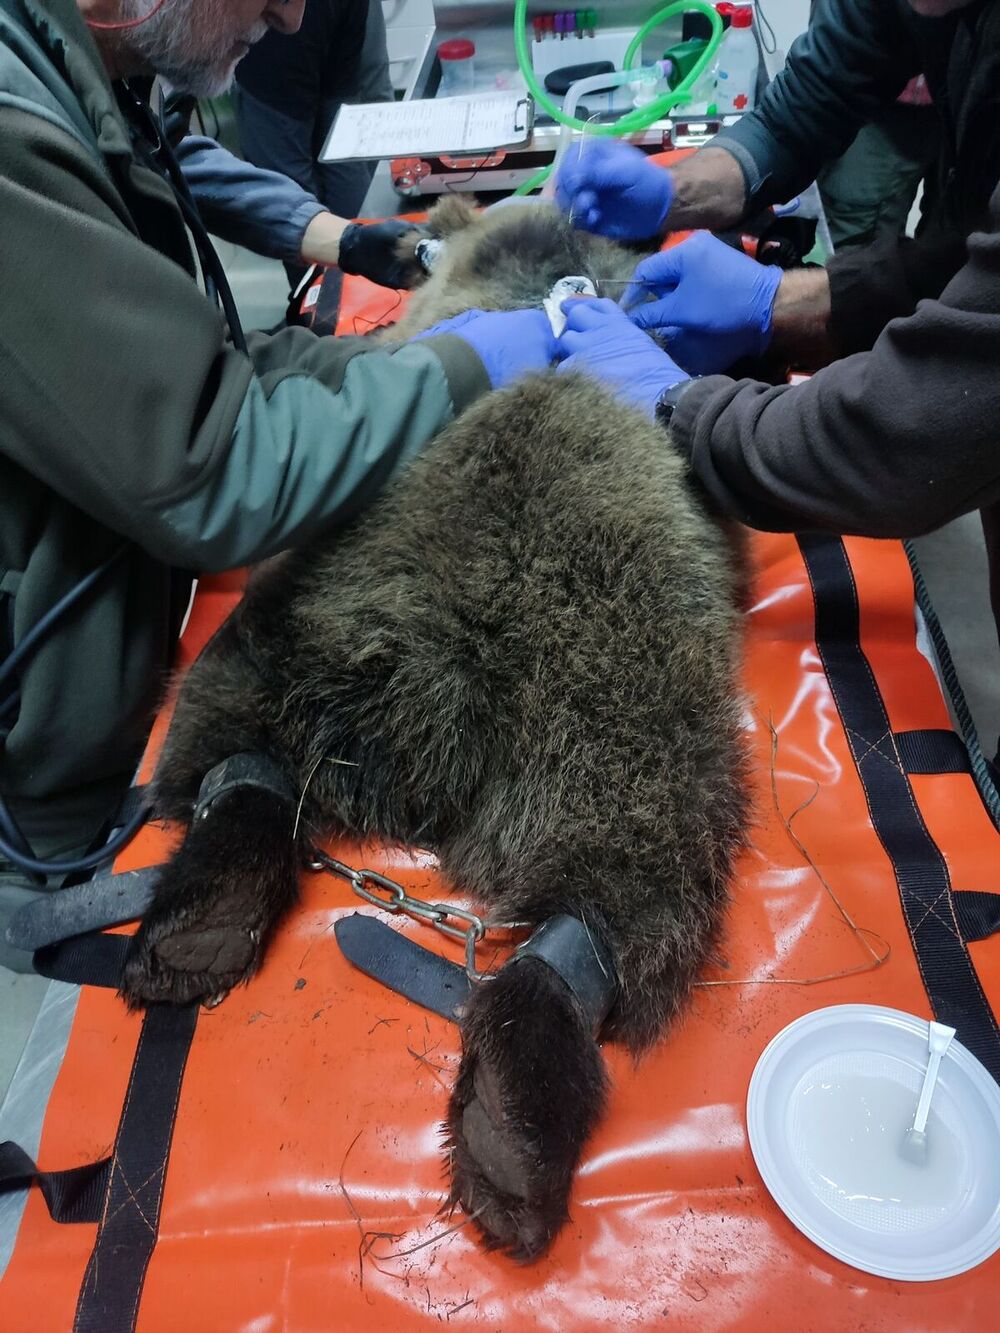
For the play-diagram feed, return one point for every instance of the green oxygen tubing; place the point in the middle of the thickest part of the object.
(631, 121)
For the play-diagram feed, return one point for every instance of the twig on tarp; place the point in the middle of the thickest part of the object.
(421, 1057)
(876, 956)
(366, 1238)
(431, 1240)
(379, 1022)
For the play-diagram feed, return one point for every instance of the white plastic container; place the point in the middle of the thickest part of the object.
(739, 58)
(457, 57)
(703, 93)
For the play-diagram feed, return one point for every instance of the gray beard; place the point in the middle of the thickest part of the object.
(163, 45)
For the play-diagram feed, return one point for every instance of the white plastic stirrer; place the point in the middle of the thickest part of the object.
(914, 1145)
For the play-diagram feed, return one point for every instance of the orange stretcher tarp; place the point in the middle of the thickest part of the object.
(310, 1107)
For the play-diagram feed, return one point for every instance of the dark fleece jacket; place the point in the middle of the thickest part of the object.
(888, 443)
(855, 59)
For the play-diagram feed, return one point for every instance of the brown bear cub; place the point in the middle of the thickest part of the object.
(525, 657)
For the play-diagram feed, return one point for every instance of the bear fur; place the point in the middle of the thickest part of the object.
(524, 656)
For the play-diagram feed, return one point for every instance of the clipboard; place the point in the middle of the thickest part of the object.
(479, 123)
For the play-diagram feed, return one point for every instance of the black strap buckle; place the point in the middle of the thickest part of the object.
(579, 956)
(572, 949)
(242, 770)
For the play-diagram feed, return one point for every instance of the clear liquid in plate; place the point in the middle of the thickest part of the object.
(846, 1134)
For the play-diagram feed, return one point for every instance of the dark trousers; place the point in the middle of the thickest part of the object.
(869, 191)
(270, 139)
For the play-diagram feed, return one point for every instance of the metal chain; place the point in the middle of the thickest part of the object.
(372, 884)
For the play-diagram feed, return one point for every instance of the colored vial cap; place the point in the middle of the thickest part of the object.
(742, 16)
(459, 48)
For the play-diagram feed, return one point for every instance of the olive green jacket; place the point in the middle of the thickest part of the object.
(126, 416)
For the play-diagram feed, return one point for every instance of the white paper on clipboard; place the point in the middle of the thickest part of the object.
(436, 125)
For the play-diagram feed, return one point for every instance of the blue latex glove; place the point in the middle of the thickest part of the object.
(714, 303)
(613, 189)
(510, 343)
(600, 340)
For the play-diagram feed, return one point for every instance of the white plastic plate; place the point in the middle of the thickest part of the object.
(829, 1102)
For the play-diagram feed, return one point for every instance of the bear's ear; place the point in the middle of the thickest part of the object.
(449, 216)
(452, 213)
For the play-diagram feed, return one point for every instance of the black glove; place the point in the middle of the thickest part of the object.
(371, 251)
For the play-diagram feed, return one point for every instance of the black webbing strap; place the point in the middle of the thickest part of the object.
(81, 909)
(939, 751)
(978, 914)
(85, 960)
(325, 314)
(948, 974)
(113, 1282)
(122, 1193)
(76, 1195)
(932, 751)
(391, 958)
(239, 771)
(573, 950)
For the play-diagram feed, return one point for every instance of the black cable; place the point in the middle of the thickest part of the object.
(454, 187)
(91, 861)
(13, 844)
(150, 148)
(39, 630)
(216, 283)
(206, 249)
(981, 774)
(10, 830)
(763, 22)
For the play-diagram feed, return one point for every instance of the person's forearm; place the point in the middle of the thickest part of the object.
(321, 239)
(854, 58)
(801, 318)
(266, 211)
(710, 191)
(887, 443)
